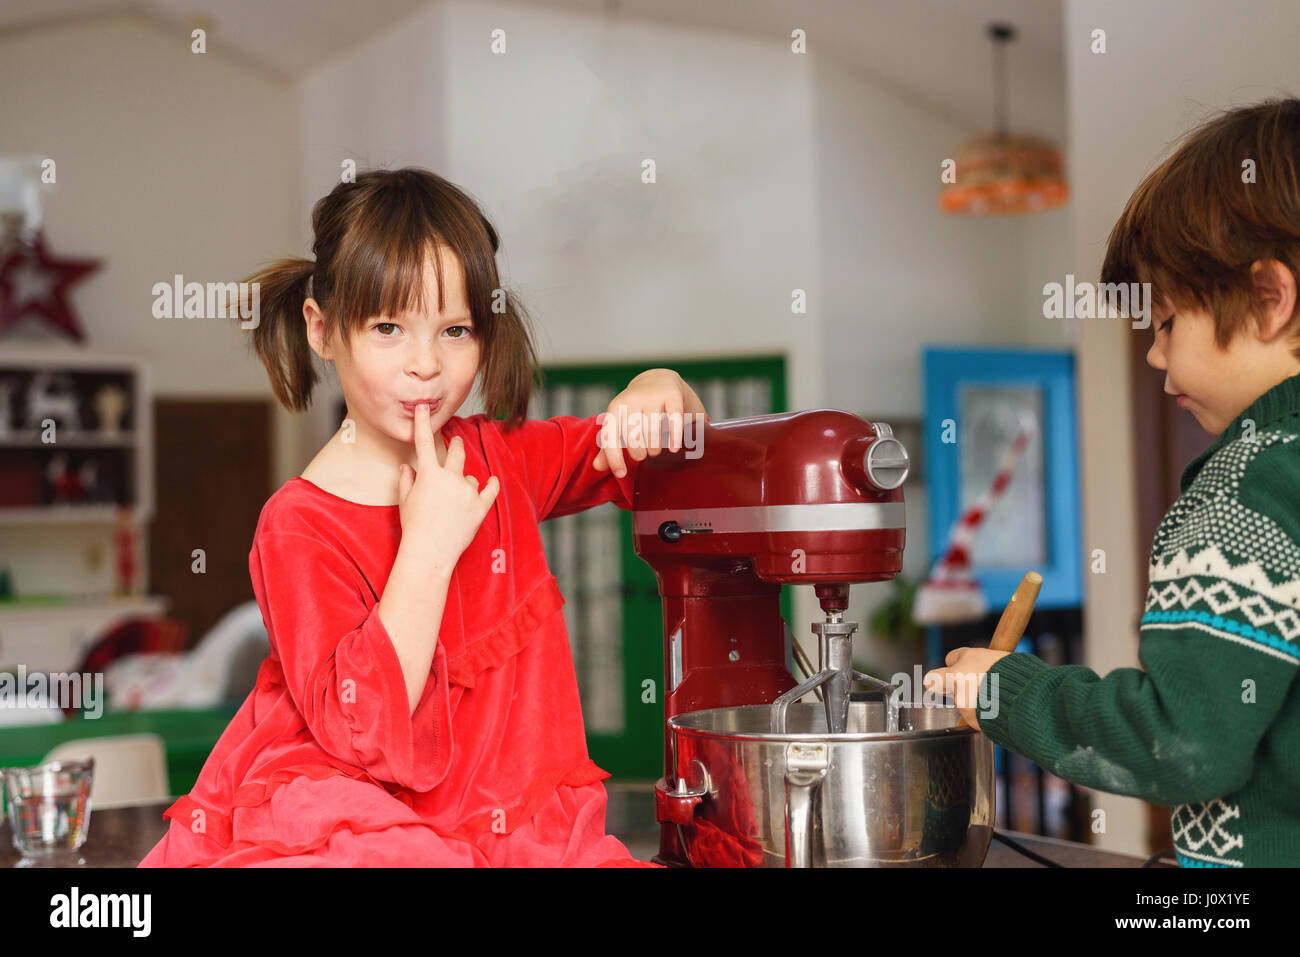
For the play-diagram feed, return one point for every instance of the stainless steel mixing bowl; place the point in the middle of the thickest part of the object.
(922, 796)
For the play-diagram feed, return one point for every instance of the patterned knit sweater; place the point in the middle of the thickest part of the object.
(1210, 726)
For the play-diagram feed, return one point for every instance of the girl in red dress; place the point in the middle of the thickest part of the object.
(419, 705)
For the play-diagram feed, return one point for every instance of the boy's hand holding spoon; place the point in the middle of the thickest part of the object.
(966, 667)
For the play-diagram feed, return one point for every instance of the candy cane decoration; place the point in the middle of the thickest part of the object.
(951, 594)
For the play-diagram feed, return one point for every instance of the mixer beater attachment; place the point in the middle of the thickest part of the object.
(837, 674)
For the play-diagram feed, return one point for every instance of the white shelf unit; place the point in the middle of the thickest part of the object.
(67, 548)
(138, 439)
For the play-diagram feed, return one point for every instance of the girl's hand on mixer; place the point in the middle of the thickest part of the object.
(635, 416)
(440, 506)
(961, 679)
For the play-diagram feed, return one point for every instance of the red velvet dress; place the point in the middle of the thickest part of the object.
(323, 764)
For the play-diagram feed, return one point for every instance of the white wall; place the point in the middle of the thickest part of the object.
(898, 274)
(1128, 106)
(167, 162)
(550, 138)
(775, 172)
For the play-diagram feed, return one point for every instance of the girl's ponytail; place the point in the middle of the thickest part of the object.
(280, 336)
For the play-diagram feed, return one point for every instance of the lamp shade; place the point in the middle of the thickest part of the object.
(999, 174)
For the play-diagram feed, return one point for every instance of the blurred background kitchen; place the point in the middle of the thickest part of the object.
(798, 248)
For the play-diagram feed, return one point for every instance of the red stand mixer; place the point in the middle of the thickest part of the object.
(746, 506)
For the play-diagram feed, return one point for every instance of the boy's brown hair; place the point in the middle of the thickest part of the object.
(1196, 224)
(372, 238)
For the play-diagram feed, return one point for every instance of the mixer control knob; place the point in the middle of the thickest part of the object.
(887, 462)
(670, 531)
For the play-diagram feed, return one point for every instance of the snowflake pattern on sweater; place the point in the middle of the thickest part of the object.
(1222, 567)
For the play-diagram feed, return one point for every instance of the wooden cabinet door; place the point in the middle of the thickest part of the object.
(212, 466)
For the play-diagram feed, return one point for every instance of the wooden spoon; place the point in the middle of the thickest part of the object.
(1015, 618)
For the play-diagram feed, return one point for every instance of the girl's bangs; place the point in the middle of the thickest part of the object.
(385, 283)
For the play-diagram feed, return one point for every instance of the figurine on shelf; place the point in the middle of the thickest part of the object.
(8, 389)
(124, 542)
(91, 490)
(110, 407)
(64, 483)
(51, 396)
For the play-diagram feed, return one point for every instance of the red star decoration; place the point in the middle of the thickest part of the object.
(32, 282)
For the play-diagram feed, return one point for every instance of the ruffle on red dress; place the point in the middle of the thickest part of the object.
(324, 764)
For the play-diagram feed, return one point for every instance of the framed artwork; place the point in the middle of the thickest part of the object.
(977, 403)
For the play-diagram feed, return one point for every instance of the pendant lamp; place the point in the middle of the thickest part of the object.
(998, 173)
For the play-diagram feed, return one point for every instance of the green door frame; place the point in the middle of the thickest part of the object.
(637, 753)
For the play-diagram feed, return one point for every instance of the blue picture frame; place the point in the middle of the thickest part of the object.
(945, 370)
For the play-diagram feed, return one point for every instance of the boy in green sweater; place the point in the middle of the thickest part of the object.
(1210, 725)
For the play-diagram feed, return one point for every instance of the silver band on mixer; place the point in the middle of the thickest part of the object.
(834, 516)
